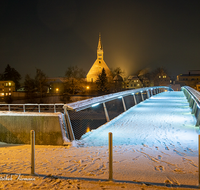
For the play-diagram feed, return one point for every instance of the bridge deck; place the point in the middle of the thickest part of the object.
(163, 119)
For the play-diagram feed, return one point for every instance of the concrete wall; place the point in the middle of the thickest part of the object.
(15, 128)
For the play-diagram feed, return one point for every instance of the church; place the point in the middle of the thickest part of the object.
(98, 65)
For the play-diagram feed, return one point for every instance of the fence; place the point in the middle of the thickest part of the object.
(32, 107)
(89, 114)
(193, 98)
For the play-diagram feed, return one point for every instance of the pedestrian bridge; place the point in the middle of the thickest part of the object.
(75, 121)
(89, 114)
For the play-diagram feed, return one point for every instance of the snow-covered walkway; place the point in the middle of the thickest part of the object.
(154, 142)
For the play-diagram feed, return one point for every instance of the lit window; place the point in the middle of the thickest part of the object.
(88, 87)
(57, 89)
(9, 89)
(6, 84)
(159, 76)
(138, 84)
(2, 94)
(6, 94)
(9, 83)
(9, 94)
(164, 76)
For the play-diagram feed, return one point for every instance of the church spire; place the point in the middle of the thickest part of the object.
(100, 49)
(99, 44)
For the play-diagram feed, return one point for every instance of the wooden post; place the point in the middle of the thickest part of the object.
(32, 152)
(110, 157)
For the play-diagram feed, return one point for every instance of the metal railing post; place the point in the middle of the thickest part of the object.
(70, 130)
(151, 92)
(124, 105)
(194, 108)
(106, 112)
(198, 117)
(32, 152)
(134, 99)
(39, 108)
(9, 107)
(110, 157)
(24, 108)
(147, 91)
(142, 96)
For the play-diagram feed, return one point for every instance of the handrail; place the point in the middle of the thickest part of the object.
(193, 97)
(84, 104)
(25, 107)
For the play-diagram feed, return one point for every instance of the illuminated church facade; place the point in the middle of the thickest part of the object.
(98, 65)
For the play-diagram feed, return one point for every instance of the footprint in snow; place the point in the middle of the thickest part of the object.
(159, 168)
(159, 157)
(156, 147)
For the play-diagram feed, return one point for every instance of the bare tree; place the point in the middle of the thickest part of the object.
(75, 78)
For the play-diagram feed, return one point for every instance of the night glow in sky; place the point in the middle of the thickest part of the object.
(53, 35)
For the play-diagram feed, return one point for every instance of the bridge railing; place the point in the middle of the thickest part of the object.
(32, 107)
(193, 97)
(89, 114)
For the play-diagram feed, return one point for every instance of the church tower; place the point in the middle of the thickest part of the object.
(98, 65)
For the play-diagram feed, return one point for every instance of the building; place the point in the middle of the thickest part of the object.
(133, 82)
(6, 88)
(98, 65)
(161, 78)
(191, 79)
(198, 86)
(56, 85)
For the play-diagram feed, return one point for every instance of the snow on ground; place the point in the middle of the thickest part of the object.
(155, 147)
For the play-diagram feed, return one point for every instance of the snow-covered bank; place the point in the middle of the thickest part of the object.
(154, 142)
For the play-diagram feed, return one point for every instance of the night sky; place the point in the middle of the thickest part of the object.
(54, 34)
